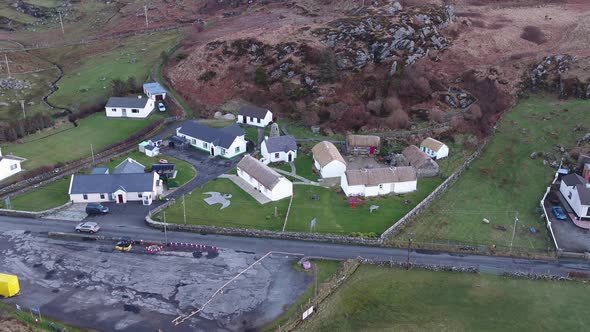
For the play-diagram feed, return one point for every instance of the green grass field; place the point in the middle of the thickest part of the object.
(331, 211)
(67, 142)
(92, 77)
(504, 181)
(25, 317)
(325, 270)
(43, 198)
(384, 299)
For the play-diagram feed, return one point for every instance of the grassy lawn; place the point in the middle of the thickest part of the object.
(69, 143)
(377, 299)
(298, 130)
(304, 167)
(325, 270)
(44, 198)
(93, 75)
(244, 210)
(333, 215)
(26, 319)
(185, 171)
(56, 193)
(504, 181)
(331, 210)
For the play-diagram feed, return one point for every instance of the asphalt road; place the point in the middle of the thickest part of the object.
(489, 264)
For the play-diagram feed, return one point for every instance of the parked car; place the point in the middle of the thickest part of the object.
(89, 227)
(161, 107)
(123, 245)
(559, 213)
(96, 208)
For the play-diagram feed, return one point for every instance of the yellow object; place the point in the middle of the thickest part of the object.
(8, 285)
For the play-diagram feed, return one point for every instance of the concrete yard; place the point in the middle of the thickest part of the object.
(91, 285)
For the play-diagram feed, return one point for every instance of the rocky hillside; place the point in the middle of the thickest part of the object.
(566, 75)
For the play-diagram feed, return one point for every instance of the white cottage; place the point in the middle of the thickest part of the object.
(254, 116)
(264, 179)
(278, 148)
(9, 165)
(379, 181)
(120, 188)
(434, 149)
(129, 107)
(154, 91)
(226, 142)
(327, 160)
(576, 191)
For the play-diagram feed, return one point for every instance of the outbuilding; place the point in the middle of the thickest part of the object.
(424, 165)
(576, 191)
(327, 160)
(278, 148)
(255, 116)
(129, 107)
(264, 179)
(367, 145)
(379, 181)
(9, 165)
(434, 149)
(154, 91)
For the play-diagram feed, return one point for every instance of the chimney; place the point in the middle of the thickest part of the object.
(138, 97)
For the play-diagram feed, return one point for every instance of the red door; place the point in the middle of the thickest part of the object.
(372, 150)
(119, 198)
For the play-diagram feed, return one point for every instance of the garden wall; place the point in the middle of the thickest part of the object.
(30, 214)
(254, 232)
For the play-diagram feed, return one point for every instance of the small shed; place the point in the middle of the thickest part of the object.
(155, 141)
(151, 150)
(434, 149)
(154, 91)
(424, 165)
(142, 146)
(363, 144)
(176, 142)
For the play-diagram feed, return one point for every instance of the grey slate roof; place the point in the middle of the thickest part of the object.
(160, 168)
(127, 102)
(265, 175)
(573, 179)
(583, 193)
(253, 111)
(154, 88)
(109, 183)
(223, 137)
(280, 143)
(150, 147)
(129, 166)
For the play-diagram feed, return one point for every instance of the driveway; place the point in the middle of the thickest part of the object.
(569, 237)
(133, 214)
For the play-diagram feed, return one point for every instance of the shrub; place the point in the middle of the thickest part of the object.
(261, 77)
(533, 34)
(181, 56)
(328, 69)
(207, 76)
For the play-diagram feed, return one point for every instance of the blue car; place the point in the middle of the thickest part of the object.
(559, 213)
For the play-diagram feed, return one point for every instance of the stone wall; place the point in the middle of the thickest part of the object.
(30, 214)
(393, 230)
(254, 232)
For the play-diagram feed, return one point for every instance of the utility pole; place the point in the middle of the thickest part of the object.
(92, 151)
(22, 105)
(165, 231)
(409, 249)
(7, 66)
(514, 230)
(147, 24)
(184, 209)
(61, 23)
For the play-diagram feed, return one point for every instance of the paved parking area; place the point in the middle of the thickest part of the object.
(89, 284)
(569, 237)
(74, 212)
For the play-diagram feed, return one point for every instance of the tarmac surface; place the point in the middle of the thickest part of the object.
(90, 284)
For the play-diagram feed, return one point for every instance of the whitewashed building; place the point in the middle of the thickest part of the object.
(9, 165)
(119, 188)
(576, 191)
(129, 107)
(434, 149)
(379, 181)
(254, 116)
(264, 179)
(278, 149)
(226, 142)
(154, 91)
(327, 160)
